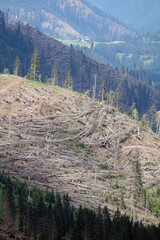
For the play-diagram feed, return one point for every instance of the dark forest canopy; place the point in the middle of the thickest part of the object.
(48, 215)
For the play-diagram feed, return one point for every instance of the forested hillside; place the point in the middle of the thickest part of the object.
(140, 57)
(21, 40)
(50, 216)
(66, 19)
(141, 15)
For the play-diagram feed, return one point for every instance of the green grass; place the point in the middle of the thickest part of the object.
(38, 83)
(8, 75)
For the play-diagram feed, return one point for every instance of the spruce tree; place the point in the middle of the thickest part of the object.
(132, 112)
(17, 66)
(107, 223)
(54, 75)
(103, 91)
(10, 209)
(46, 80)
(34, 65)
(152, 114)
(6, 70)
(117, 98)
(68, 81)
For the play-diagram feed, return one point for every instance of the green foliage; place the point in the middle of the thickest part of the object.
(16, 70)
(132, 112)
(46, 80)
(10, 208)
(138, 178)
(33, 71)
(46, 215)
(151, 119)
(123, 205)
(6, 70)
(68, 81)
(54, 76)
(143, 122)
(152, 114)
(117, 98)
(2, 237)
(104, 166)
(140, 15)
(109, 197)
(103, 91)
(135, 57)
(14, 42)
(153, 201)
(78, 145)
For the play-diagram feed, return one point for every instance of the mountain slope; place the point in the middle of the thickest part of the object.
(66, 19)
(141, 15)
(61, 139)
(21, 40)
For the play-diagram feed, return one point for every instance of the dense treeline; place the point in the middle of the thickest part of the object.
(21, 40)
(10, 40)
(140, 57)
(47, 215)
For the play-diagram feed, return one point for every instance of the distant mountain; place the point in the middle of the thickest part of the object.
(141, 15)
(21, 40)
(66, 19)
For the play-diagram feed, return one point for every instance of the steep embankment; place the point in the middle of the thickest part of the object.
(56, 138)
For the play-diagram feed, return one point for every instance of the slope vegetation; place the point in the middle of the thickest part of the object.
(66, 19)
(21, 40)
(7, 232)
(60, 139)
(141, 15)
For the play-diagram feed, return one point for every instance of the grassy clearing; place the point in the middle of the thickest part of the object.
(38, 83)
(7, 75)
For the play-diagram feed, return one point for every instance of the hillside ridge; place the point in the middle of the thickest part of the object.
(140, 15)
(56, 138)
(21, 40)
(67, 19)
